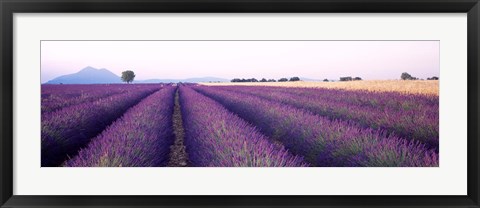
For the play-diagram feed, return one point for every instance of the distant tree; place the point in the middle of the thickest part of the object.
(346, 79)
(283, 80)
(357, 78)
(255, 80)
(433, 78)
(293, 79)
(128, 76)
(325, 80)
(407, 76)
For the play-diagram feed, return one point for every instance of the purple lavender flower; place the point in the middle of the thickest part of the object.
(413, 117)
(140, 138)
(322, 141)
(217, 138)
(65, 131)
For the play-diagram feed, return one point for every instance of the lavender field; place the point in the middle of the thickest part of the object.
(195, 125)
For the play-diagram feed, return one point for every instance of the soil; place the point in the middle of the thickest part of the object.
(178, 153)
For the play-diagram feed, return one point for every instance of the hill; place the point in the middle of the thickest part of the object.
(88, 75)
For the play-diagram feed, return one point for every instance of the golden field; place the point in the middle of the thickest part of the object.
(429, 87)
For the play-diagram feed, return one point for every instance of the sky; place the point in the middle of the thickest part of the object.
(370, 60)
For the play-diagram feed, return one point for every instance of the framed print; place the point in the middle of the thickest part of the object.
(263, 103)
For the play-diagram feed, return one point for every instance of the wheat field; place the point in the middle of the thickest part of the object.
(427, 87)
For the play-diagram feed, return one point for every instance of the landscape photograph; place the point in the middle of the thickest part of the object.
(173, 104)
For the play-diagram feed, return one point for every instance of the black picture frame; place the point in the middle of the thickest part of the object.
(9, 7)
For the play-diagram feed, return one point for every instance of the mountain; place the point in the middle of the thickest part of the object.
(88, 75)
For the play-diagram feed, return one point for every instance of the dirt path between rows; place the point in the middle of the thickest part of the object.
(178, 153)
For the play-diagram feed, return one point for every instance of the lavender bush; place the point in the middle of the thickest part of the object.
(217, 138)
(412, 117)
(67, 130)
(140, 138)
(55, 97)
(322, 141)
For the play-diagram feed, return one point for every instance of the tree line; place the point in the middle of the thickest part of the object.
(292, 79)
(128, 76)
(407, 76)
(350, 79)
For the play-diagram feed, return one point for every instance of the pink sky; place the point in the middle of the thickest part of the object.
(371, 60)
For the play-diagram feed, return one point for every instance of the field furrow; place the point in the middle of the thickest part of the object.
(216, 137)
(322, 141)
(178, 153)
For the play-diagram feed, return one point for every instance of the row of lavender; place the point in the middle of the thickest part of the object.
(413, 117)
(218, 124)
(68, 129)
(216, 137)
(322, 141)
(140, 138)
(55, 97)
